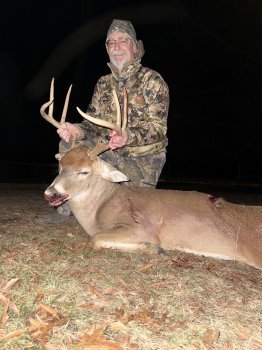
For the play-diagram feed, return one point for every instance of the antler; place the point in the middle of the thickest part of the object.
(49, 117)
(101, 145)
(117, 127)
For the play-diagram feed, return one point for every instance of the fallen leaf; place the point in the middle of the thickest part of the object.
(209, 337)
(242, 332)
(228, 345)
(12, 262)
(92, 334)
(93, 290)
(14, 334)
(118, 326)
(43, 322)
(98, 306)
(101, 345)
(144, 316)
(10, 284)
(11, 305)
(182, 262)
(4, 317)
(180, 325)
(48, 309)
(39, 296)
(145, 267)
(85, 306)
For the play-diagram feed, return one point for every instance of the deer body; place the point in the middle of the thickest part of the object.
(130, 218)
(137, 218)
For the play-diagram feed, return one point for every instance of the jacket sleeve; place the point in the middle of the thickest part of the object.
(151, 126)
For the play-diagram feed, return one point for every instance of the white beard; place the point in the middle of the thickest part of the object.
(118, 64)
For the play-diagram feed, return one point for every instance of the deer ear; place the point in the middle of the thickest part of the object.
(110, 173)
(58, 156)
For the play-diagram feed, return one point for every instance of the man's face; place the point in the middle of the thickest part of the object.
(120, 49)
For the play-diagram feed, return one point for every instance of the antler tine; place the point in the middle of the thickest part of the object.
(96, 121)
(125, 112)
(47, 117)
(105, 123)
(100, 147)
(51, 98)
(50, 105)
(63, 118)
(118, 111)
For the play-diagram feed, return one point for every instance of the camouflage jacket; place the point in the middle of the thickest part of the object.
(148, 102)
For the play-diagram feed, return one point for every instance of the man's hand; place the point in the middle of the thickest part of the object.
(68, 130)
(117, 141)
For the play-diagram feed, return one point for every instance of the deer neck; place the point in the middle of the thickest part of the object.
(87, 204)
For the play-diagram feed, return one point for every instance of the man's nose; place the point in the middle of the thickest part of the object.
(117, 45)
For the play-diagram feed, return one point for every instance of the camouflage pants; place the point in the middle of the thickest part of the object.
(143, 171)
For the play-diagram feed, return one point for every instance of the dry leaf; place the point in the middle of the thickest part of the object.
(144, 315)
(48, 310)
(180, 325)
(39, 296)
(122, 316)
(126, 318)
(119, 312)
(11, 305)
(228, 345)
(145, 267)
(242, 332)
(92, 334)
(85, 306)
(10, 284)
(14, 334)
(93, 339)
(209, 337)
(46, 318)
(182, 262)
(4, 317)
(101, 346)
(12, 262)
(98, 306)
(93, 290)
(195, 344)
(118, 326)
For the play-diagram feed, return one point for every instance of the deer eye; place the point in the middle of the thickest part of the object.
(83, 173)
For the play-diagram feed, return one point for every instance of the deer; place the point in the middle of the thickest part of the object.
(142, 219)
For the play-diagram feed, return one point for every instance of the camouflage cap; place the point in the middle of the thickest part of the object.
(120, 25)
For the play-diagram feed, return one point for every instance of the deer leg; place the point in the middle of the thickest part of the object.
(122, 239)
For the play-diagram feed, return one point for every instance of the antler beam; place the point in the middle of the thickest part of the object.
(117, 127)
(50, 105)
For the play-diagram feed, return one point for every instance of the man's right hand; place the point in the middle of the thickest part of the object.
(68, 130)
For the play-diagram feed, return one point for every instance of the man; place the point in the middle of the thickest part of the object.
(140, 152)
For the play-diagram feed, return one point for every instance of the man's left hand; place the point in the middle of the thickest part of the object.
(116, 140)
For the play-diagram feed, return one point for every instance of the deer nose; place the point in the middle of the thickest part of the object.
(51, 197)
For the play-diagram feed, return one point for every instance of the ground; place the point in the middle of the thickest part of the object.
(56, 292)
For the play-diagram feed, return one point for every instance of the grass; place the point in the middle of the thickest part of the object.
(58, 293)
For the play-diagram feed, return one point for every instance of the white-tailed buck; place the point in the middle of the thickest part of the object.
(129, 218)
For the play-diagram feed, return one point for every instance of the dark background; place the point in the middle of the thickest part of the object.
(209, 53)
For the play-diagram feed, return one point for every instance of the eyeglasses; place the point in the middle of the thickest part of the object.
(121, 42)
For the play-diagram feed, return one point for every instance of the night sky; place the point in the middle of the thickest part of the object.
(209, 53)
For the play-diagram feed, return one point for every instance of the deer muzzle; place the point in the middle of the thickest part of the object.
(54, 198)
